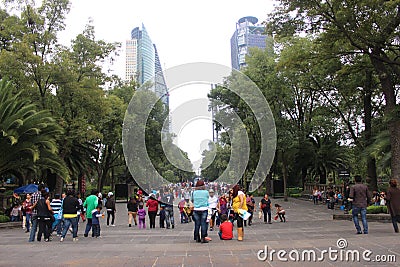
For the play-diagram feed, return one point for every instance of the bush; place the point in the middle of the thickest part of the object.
(4, 218)
(295, 195)
(375, 210)
(294, 190)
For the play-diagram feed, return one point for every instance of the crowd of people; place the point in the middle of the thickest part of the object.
(208, 205)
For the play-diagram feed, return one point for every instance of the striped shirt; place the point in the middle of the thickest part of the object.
(56, 205)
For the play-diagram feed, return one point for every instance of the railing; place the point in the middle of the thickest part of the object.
(309, 187)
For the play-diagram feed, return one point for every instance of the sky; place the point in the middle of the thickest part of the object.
(183, 31)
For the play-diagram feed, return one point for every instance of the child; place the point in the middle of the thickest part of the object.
(226, 228)
(280, 212)
(15, 213)
(96, 214)
(142, 217)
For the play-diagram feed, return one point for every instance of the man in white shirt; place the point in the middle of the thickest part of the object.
(213, 206)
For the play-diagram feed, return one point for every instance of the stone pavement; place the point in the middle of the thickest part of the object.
(309, 229)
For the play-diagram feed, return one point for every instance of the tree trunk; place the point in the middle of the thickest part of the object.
(391, 107)
(285, 174)
(371, 162)
(268, 184)
(59, 185)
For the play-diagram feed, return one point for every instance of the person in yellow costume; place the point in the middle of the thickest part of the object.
(238, 203)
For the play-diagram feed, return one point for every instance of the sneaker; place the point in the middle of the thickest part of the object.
(208, 238)
(46, 240)
(113, 225)
(75, 239)
(85, 235)
(62, 239)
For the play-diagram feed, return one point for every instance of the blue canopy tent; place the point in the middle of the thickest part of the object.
(30, 188)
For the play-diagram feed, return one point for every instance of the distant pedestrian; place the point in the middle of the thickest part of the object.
(91, 203)
(110, 206)
(152, 208)
(360, 198)
(142, 217)
(315, 195)
(280, 212)
(56, 205)
(168, 200)
(27, 207)
(393, 202)
(70, 207)
(238, 204)
(132, 211)
(45, 216)
(35, 197)
(200, 212)
(96, 215)
(265, 206)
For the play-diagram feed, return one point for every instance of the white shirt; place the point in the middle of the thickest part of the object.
(212, 202)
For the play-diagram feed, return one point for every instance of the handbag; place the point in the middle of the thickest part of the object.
(259, 214)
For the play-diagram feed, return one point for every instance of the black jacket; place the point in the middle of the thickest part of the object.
(70, 205)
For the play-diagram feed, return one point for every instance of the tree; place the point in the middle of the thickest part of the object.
(368, 27)
(28, 136)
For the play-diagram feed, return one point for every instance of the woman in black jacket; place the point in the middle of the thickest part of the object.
(132, 211)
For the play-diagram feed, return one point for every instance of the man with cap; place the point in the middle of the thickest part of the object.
(110, 206)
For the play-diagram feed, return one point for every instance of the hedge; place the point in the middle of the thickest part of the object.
(4, 218)
(376, 210)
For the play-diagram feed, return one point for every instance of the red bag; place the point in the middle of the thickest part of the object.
(276, 217)
(83, 217)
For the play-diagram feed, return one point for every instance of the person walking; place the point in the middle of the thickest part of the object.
(90, 204)
(265, 206)
(152, 208)
(27, 207)
(168, 200)
(56, 206)
(132, 207)
(35, 197)
(213, 205)
(70, 208)
(200, 211)
(238, 203)
(360, 197)
(110, 206)
(393, 203)
(44, 216)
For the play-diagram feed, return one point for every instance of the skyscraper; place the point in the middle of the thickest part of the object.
(143, 63)
(247, 34)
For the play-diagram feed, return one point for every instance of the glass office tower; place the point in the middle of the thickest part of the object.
(143, 63)
(247, 34)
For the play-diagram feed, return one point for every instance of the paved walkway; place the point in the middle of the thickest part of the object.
(308, 227)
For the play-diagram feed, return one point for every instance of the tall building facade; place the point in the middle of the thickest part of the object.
(143, 63)
(247, 34)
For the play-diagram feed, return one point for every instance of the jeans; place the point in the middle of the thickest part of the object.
(96, 230)
(169, 216)
(88, 227)
(395, 220)
(57, 226)
(267, 215)
(34, 228)
(112, 214)
(28, 221)
(200, 221)
(67, 223)
(315, 199)
(363, 211)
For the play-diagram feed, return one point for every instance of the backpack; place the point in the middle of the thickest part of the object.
(109, 204)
